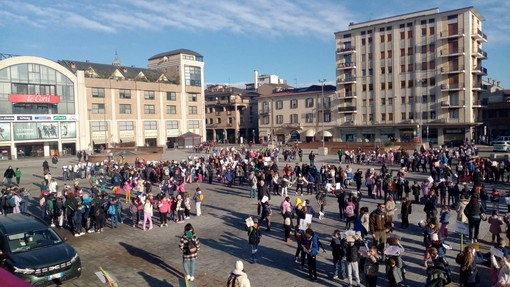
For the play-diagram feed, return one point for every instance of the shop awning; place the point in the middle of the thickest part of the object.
(326, 134)
(309, 133)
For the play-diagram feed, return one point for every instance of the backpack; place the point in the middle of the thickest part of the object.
(349, 210)
(233, 280)
(201, 197)
(112, 210)
(11, 201)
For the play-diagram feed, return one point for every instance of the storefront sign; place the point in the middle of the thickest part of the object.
(20, 98)
(68, 130)
(126, 135)
(33, 131)
(59, 118)
(172, 132)
(5, 131)
(150, 133)
(6, 118)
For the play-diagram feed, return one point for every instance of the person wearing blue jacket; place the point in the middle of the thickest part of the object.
(312, 249)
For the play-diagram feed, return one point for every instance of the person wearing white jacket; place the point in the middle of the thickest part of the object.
(238, 275)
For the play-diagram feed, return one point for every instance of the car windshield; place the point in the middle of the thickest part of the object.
(24, 241)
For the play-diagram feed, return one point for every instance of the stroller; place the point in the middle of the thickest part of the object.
(438, 276)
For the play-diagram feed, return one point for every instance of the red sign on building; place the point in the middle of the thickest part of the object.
(19, 98)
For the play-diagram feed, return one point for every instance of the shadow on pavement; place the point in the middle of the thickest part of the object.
(151, 258)
(155, 282)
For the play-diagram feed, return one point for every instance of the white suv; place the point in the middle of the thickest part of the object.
(501, 146)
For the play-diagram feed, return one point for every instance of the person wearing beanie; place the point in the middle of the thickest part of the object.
(238, 277)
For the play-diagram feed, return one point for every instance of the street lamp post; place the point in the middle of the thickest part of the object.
(322, 99)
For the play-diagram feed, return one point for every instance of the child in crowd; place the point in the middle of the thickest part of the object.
(444, 219)
(495, 222)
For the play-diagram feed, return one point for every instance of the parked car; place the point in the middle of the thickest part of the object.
(499, 139)
(501, 146)
(34, 252)
(292, 142)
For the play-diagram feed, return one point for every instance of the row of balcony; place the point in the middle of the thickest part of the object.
(346, 50)
(478, 69)
(346, 65)
(451, 33)
(479, 53)
(479, 36)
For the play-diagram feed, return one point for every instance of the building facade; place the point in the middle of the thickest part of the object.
(231, 114)
(40, 111)
(61, 107)
(416, 76)
(303, 114)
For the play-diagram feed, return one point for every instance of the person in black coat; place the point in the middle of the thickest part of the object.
(262, 191)
(338, 249)
(473, 212)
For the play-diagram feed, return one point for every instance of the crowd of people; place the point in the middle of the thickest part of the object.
(135, 193)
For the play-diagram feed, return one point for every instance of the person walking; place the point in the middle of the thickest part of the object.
(17, 174)
(254, 237)
(238, 276)
(190, 245)
(147, 213)
(198, 197)
(312, 248)
(8, 176)
(473, 212)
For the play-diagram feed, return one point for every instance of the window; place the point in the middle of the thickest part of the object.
(327, 102)
(150, 125)
(432, 115)
(309, 103)
(424, 99)
(279, 105)
(265, 120)
(390, 85)
(432, 30)
(390, 116)
(98, 108)
(390, 101)
(124, 109)
(193, 76)
(192, 97)
(99, 126)
(383, 70)
(432, 98)
(98, 92)
(410, 67)
(192, 110)
(327, 117)
(172, 125)
(403, 100)
(293, 104)
(402, 69)
(409, 51)
(309, 118)
(410, 83)
(390, 69)
(383, 117)
(279, 119)
(383, 101)
(171, 109)
(125, 94)
(402, 35)
(409, 34)
(382, 54)
(390, 54)
(149, 109)
(294, 118)
(382, 38)
(402, 83)
(193, 124)
(402, 52)
(425, 115)
(389, 37)
(148, 95)
(383, 86)
(454, 114)
(218, 120)
(126, 126)
(403, 116)
(171, 96)
(423, 31)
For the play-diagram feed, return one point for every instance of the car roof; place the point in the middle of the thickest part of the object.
(20, 222)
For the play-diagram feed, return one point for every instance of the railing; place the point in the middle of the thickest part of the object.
(451, 86)
(452, 68)
(346, 65)
(345, 94)
(346, 50)
(451, 51)
(482, 52)
(264, 111)
(347, 79)
(451, 33)
(346, 109)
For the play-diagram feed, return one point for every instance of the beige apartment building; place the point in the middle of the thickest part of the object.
(144, 107)
(302, 114)
(416, 76)
(231, 114)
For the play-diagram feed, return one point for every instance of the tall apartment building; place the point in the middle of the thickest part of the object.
(297, 113)
(416, 76)
(231, 114)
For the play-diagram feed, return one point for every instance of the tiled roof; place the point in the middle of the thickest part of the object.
(106, 70)
(175, 52)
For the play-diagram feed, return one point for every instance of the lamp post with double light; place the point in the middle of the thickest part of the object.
(324, 152)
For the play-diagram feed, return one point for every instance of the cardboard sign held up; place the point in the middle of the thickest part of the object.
(249, 222)
(461, 227)
(264, 199)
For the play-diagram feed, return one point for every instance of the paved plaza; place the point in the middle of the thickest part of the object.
(152, 258)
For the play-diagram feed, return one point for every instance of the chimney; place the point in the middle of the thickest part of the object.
(256, 82)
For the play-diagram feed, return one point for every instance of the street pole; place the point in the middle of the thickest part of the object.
(322, 96)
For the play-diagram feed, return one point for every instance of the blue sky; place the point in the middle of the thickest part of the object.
(291, 38)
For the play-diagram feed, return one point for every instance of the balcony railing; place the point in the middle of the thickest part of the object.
(479, 70)
(264, 111)
(478, 35)
(451, 51)
(348, 65)
(346, 50)
(347, 95)
(451, 33)
(480, 53)
(448, 87)
(348, 109)
(452, 69)
(347, 79)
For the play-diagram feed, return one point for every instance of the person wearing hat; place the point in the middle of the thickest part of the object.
(238, 277)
